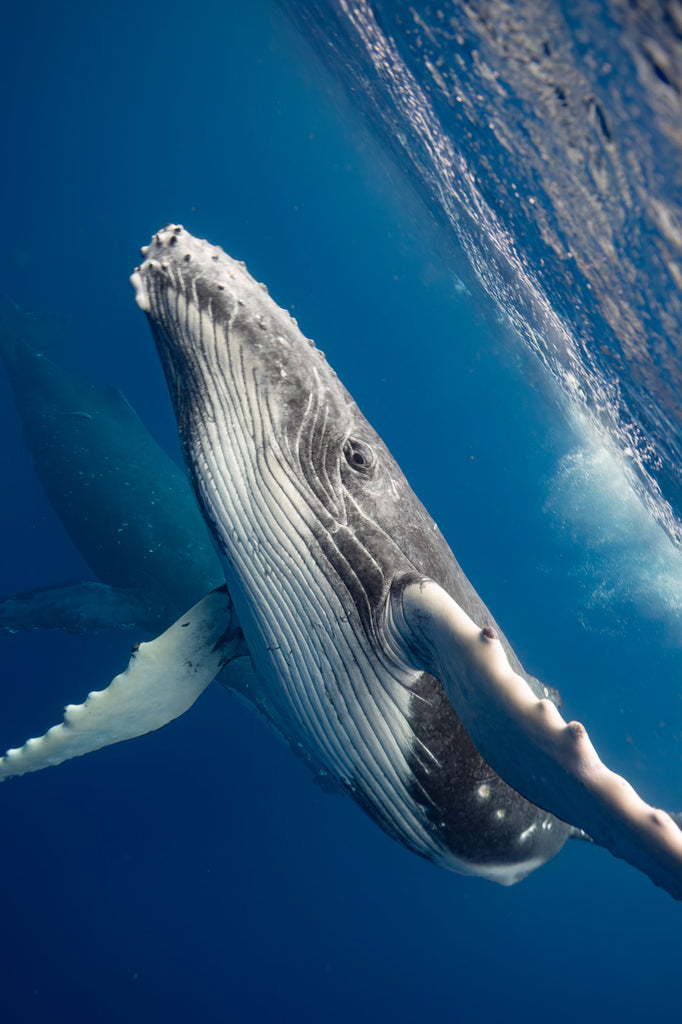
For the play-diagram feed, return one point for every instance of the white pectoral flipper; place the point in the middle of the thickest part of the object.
(163, 679)
(525, 739)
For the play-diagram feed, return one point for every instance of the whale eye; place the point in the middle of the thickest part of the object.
(359, 456)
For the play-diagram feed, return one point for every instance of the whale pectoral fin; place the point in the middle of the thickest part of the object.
(78, 608)
(163, 679)
(525, 739)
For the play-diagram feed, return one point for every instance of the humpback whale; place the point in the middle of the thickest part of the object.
(373, 654)
(125, 504)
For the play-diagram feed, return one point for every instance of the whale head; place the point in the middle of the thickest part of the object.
(318, 529)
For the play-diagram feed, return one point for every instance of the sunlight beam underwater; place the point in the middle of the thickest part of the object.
(374, 655)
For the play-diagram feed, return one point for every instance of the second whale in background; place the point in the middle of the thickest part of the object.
(126, 505)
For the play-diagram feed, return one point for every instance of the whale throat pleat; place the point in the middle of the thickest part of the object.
(340, 697)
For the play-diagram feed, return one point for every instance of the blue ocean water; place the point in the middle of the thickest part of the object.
(521, 361)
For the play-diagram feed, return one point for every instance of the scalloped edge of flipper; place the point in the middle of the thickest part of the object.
(526, 740)
(163, 679)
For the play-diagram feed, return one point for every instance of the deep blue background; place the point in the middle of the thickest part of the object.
(198, 871)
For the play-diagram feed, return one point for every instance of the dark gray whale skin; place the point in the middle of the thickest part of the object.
(127, 507)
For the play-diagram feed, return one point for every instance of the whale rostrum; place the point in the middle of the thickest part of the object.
(373, 654)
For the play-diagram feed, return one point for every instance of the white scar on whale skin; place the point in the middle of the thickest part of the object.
(335, 574)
